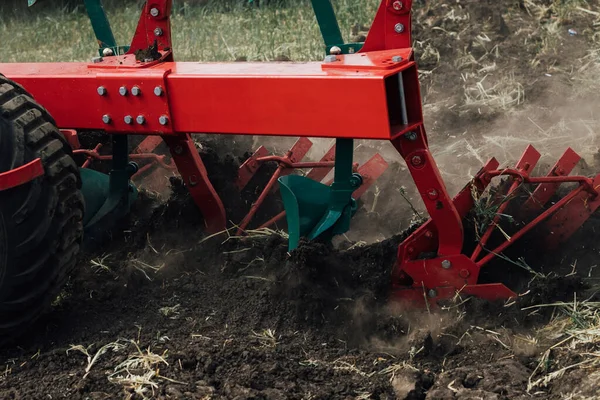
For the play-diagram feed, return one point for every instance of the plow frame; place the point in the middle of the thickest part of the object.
(145, 92)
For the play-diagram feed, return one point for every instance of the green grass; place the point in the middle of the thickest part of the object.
(215, 32)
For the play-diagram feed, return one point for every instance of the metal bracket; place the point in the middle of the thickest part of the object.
(130, 104)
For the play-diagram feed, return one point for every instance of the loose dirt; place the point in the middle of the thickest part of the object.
(159, 310)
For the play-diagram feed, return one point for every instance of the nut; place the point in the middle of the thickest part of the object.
(140, 119)
(123, 91)
(163, 120)
(335, 50)
(399, 28)
(107, 52)
(158, 91)
(106, 119)
(416, 161)
(128, 119)
(136, 91)
(397, 59)
(101, 90)
(446, 264)
(154, 12)
(158, 31)
(330, 58)
(397, 5)
(97, 60)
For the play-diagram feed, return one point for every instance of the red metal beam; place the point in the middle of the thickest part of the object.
(236, 98)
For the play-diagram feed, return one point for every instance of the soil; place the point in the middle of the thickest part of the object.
(229, 317)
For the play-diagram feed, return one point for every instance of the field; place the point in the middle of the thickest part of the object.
(159, 310)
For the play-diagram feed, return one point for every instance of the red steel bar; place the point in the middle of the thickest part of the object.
(530, 226)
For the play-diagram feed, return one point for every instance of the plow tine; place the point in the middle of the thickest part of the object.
(572, 215)
(297, 153)
(250, 166)
(525, 165)
(370, 172)
(318, 174)
(545, 191)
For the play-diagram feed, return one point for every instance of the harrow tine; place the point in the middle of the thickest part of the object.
(370, 172)
(525, 165)
(294, 155)
(318, 174)
(545, 191)
(250, 166)
(148, 145)
(573, 214)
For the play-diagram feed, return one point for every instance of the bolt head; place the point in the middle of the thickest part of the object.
(432, 194)
(123, 91)
(128, 119)
(412, 136)
(106, 119)
(335, 50)
(97, 60)
(417, 161)
(158, 91)
(154, 12)
(136, 91)
(140, 119)
(163, 120)
(399, 28)
(101, 90)
(432, 293)
(446, 264)
(397, 5)
(330, 58)
(397, 59)
(158, 32)
(178, 150)
(107, 52)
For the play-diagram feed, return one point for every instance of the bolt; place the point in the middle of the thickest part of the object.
(446, 264)
(148, 59)
(330, 58)
(123, 91)
(432, 293)
(399, 28)
(432, 194)
(416, 161)
(128, 119)
(397, 59)
(136, 91)
(193, 180)
(397, 5)
(140, 119)
(158, 32)
(154, 12)
(464, 273)
(178, 150)
(158, 91)
(107, 52)
(428, 234)
(101, 90)
(97, 60)
(335, 50)
(412, 136)
(163, 120)
(106, 119)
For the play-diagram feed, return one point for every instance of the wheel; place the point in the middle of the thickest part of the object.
(41, 227)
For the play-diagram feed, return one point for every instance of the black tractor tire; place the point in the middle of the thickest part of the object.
(41, 228)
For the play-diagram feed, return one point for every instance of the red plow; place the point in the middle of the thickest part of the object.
(145, 92)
